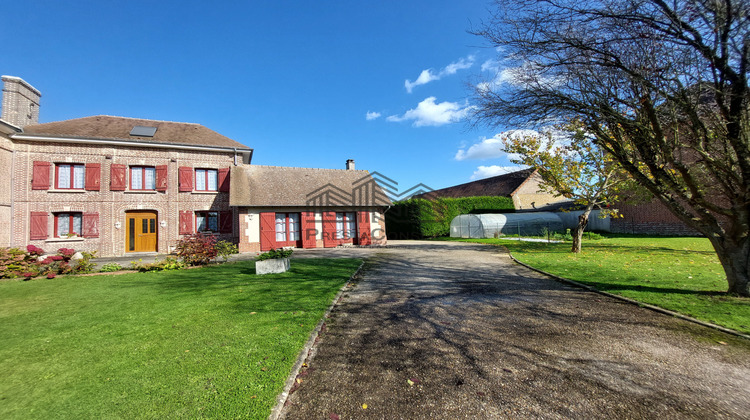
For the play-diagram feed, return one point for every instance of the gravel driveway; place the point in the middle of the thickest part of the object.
(453, 330)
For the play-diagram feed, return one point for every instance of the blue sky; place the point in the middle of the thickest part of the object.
(304, 83)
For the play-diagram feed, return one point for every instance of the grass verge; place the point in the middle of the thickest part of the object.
(676, 273)
(215, 342)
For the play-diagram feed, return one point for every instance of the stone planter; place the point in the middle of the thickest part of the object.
(277, 265)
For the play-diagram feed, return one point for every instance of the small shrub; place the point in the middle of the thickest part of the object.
(34, 251)
(275, 254)
(15, 262)
(85, 265)
(66, 253)
(169, 263)
(197, 249)
(224, 249)
(110, 267)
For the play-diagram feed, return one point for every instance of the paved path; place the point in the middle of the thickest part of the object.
(453, 330)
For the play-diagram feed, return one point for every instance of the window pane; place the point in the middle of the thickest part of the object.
(351, 227)
(152, 222)
(280, 227)
(78, 176)
(136, 179)
(200, 221)
(213, 221)
(294, 227)
(200, 179)
(131, 234)
(213, 180)
(150, 181)
(77, 223)
(63, 224)
(63, 176)
(339, 225)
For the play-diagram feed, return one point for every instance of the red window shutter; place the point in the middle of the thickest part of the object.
(38, 225)
(40, 176)
(267, 231)
(329, 229)
(363, 227)
(186, 178)
(161, 178)
(90, 225)
(93, 176)
(308, 230)
(117, 180)
(186, 223)
(224, 180)
(225, 222)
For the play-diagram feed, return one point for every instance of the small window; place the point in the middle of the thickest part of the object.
(68, 224)
(207, 221)
(206, 180)
(346, 226)
(288, 229)
(70, 176)
(142, 178)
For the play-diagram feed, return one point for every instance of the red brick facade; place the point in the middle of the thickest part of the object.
(652, 218)
(111, 206)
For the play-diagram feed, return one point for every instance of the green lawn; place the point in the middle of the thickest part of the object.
(214, 342)
(680, 274)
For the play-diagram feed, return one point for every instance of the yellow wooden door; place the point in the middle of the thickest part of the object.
(141, 232)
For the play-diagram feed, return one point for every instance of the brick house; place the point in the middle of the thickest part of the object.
(120, 185)
(521, 186)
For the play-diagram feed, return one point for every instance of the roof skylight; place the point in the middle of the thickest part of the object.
(143, 131)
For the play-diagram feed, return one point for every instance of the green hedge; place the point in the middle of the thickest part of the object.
(419, 218)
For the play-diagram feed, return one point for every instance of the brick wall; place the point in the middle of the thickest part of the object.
(6, 165)
(652, 218)
(529, 196)
(110, 205)
(20, 105)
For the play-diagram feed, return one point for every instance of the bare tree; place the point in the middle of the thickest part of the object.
(662, 85)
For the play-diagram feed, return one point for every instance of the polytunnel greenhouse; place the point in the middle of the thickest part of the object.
(520, 224)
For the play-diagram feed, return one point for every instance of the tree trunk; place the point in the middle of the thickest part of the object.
(577, 233)
(735, 259)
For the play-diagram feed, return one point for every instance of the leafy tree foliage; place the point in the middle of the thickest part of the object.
(573, 165)
(661, 85)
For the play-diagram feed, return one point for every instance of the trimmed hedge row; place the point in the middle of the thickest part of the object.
(417, 218)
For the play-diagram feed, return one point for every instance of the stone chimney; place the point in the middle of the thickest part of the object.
(20, 102)
(350, 164)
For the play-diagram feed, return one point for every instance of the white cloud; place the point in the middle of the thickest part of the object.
(491, 65)
(372, 115)
(427, 76)
(494, 170)
(429, 113)
(490, 148)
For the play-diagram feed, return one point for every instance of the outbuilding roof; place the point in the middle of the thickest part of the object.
(501, 185)
(276, 186)
(119, 128)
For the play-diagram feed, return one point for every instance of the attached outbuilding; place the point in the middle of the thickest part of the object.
(307, 207)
